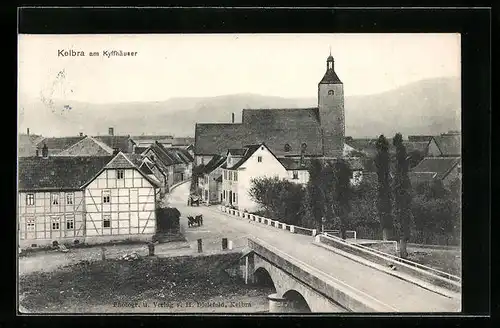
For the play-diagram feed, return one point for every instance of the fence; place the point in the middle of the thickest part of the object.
(337, 233)
(272, 223)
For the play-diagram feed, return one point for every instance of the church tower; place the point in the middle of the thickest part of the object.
(331, 111)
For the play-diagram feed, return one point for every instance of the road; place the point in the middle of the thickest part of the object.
(401, 295)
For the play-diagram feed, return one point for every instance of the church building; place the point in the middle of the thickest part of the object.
(287, 132)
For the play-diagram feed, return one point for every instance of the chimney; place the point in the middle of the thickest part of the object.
(81, 134)
(111, 131)
(45, 151)
(28, 131)
(232, 117)
(303, 148)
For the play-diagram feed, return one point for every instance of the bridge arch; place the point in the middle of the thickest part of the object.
(306, 299)
(263, 278)
(298, 301)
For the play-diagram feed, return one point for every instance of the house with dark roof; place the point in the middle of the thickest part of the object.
(88, 146)
(144, 141)
(185, 158)
(91, 199)
(286, 131)
(56, 145)
(26, 145)
(366, 149)
(419, 138)
(447, 145)
(444, 169)
(210, 182)
(164, 165)
(121, 143)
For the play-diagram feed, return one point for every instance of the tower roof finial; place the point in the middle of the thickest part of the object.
(330, 50)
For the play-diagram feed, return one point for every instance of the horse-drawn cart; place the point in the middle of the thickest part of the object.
(194, 200)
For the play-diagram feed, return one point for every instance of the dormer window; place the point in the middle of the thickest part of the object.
(287, 148)
(330, 92)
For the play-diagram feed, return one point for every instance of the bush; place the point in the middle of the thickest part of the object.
(167, 218)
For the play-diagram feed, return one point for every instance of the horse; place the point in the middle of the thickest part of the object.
(191, 221)
(199, 219)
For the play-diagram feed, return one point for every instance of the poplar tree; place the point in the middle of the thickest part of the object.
(315, 198)
(384, 205)
(402, 193)
(342, 194)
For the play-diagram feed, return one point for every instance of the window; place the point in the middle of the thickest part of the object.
(30, 199)
(70, 223)
(259, 159)
(69, 198)
(230, 175)
(287, 148)
(119, 174)
(304, 146)
(234, 197)
(106, 196)
(224, 194)
(225, 175)
(235, 175)
(30, 224)
(55, 224)
(295, 174)
(55, 199)
(330, 92)
(106, 223)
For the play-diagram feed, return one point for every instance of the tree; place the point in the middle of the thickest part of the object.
(280, 199)
(384, 206)
(342, 192)
(314, 200)
(326, 186)
(402, 194)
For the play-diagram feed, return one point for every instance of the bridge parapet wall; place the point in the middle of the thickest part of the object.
(414, 272)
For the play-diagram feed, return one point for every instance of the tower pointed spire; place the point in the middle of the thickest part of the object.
(329, 60)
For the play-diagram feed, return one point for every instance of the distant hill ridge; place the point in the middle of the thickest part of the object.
(426, 107)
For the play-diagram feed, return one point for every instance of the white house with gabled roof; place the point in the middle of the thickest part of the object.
(257, 162)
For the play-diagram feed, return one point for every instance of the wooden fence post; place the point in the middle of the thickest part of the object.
(200, 246)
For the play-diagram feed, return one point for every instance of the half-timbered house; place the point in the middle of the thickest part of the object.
(91, 199)
(120, 202)
(51, 204)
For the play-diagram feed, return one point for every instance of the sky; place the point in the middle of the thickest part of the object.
(206, 65)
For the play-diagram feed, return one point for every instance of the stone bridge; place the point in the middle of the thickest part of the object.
(301, 287)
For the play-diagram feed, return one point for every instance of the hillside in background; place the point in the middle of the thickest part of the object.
(425, 107)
